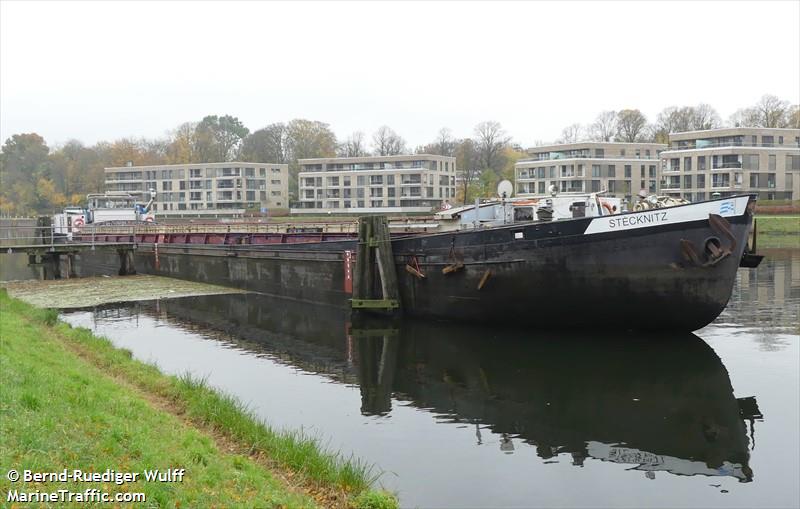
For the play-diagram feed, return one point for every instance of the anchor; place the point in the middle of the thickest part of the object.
(713, 250)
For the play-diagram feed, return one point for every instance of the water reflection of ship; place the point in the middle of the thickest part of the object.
(661, 404)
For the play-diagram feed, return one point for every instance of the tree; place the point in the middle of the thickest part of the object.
(794, 117)
(445, 144)
(770, 111)
(23, 160)
(490, 139)
(307, 139)
(604, 126)
(22, 155)
(182, 147)
(631, 125)
(705, 117)
(468, 164)
(353, 146)
(48, 197)
(387, 142)
(571, 134)
(267, 145)
(218, 138)
(76, 170)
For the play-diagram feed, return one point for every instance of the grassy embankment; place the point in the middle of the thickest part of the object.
(778, 231)
(69, 399)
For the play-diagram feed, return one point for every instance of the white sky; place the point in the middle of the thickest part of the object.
(100, 71)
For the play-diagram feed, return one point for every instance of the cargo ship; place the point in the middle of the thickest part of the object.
(663, 268)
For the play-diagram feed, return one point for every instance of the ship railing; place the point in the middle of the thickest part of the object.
(52, 235)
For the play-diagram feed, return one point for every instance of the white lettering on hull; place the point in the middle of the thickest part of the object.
(671, 215)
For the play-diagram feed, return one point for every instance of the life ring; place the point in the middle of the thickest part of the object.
(148, 219)
(608, 207)
(78, 222)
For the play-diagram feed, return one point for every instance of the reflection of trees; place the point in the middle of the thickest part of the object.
(766, 300)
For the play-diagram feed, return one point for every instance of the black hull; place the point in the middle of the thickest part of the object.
(541, 275)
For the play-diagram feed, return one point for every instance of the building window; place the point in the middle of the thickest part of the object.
(701, 163)
(612, 171)
(721, 180)
(793, 163)
(166, 186)
(687, 164)
(628, 171)
(749, 162)
(675, 164)
(595, 171)
(701, 181)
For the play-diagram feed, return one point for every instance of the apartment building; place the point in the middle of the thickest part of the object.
(385, 184)
(202, 189)
(735, 160)
(622, 169)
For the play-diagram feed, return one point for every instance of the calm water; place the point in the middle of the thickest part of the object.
(469, 417)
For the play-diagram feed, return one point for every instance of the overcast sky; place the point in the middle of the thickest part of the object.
(101, 71)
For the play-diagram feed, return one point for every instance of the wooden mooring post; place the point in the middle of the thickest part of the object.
(375, 286)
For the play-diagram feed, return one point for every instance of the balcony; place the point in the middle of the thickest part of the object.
(565, 157)
(728, 144)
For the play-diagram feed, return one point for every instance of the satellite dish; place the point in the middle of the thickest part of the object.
(505, 188)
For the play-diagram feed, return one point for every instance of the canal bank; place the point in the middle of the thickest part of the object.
(71, 400)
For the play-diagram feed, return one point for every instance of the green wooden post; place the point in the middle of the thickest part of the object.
(375, 258)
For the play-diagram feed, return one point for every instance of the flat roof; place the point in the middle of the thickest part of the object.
(732, 129)
(399, 157)
(578, 144)
(183, 165)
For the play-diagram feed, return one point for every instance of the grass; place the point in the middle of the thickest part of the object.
(70, 400)
(778, 231)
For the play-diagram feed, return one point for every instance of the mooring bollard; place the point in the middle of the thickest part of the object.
(375, 285)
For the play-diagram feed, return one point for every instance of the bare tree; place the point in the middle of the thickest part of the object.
(353, 146)
(445, 144)
(704, 117)
(387, 142)
(770, 111)
(490, 141)
(604, 126)
(631, 126)
(571, 134)
(794, 117)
